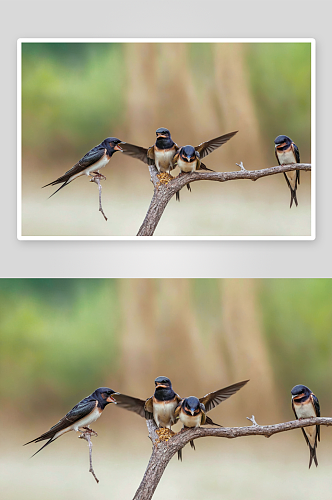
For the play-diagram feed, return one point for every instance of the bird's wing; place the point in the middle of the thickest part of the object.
(207, 147)
(177, 411)
(296, 152)
(89, 159)
(175, 158)
(315, 402)
(138, 152)
(303, 432)
(215, 398)
(79, 411)
(297, 156)
(275, 152)
(133, 404)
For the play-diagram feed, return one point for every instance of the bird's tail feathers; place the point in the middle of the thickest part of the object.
(63, 185)
(293, 197)
(40, 449)
(204, 167)
(209, 421)
(313, 456)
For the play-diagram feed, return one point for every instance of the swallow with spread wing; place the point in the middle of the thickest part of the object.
(192, 411)
(160, 406)
(160, 154)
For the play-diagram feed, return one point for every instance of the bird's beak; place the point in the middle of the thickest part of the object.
(118, 148)
(162, 135)
(110, 399)
(298, 396)
(162, 385)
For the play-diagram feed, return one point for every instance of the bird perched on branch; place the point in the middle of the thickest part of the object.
(287, 152)
(164, 149)
(80, 417)
(91, 163)
(165, 153)
(305, 405)
(160, 154)
(192, 411)
(160, 406)
(188, 160)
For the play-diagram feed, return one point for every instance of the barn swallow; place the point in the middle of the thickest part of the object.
(188, 160)
(160, 154)
(81, 416)
(160, 406)
(91, 163)
(306, 405)
(287, 152)
(192, 411)
(163, 151)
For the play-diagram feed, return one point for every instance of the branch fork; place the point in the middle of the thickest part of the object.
(163, 451)
(163, 192)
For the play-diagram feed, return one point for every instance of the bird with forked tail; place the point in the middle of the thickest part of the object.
(90, 164)
(306, 405)
(192, 411)
(80, 417)
(287, 152)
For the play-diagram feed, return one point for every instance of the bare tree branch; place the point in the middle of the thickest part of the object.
(164, 190)
(163, 451)
(97, 178)
(87, 436)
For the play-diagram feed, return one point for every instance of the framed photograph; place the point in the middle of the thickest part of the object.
(123, 132)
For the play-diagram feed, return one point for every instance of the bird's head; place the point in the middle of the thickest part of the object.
(112, 144)
(281, 141)
(192, 406)
(163, 132)
(105, 395)
(188, 153)
(300, 391)
(162, 383)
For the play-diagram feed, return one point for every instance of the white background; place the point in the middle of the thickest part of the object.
(165, 19)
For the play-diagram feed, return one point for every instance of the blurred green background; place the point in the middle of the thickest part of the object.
(76, 94)
(62, 338)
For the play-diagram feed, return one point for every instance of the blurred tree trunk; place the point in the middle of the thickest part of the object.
(162, 335)
(235, 103)
(142, 91)
(139, 348)
(162, 92)
(247, 352)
